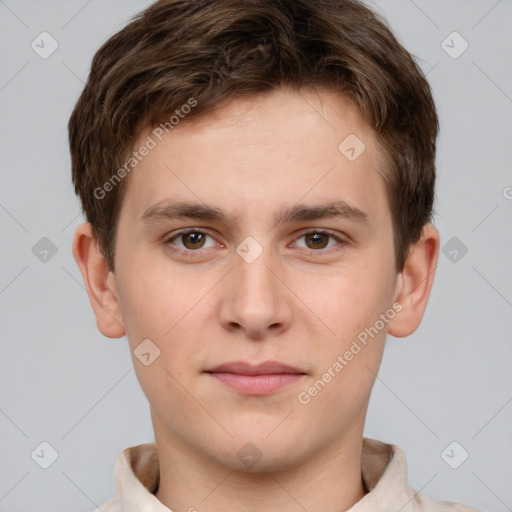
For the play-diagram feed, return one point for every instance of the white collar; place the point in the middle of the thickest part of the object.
(384, 471)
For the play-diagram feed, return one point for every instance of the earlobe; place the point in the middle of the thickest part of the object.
(415, 283)
(99, 282)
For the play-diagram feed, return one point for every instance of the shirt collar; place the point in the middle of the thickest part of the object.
(383, 466)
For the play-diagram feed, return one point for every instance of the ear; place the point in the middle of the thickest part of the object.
(415, 282)
(99, 282)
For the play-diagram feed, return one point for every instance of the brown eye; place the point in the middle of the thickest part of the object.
(190, 241)
(317, 240)
(193, 240)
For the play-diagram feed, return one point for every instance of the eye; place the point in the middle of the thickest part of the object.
(316, 240)
(190, 240)
(193, 240)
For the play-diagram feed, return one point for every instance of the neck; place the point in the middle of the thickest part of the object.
(329, 481)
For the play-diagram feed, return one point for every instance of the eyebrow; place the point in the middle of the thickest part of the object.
(168, 210)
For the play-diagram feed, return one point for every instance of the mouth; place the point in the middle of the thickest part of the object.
(260, 379)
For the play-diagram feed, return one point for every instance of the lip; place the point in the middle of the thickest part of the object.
(260, 379)
(265, 368)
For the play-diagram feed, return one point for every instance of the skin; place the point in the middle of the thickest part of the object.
(299, 302)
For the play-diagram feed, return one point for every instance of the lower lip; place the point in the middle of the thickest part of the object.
(257, 384)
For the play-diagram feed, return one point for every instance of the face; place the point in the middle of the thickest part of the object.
(256, 254)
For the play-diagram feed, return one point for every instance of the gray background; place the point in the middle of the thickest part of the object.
(64, 383)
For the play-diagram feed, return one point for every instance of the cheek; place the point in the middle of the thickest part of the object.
(152, 301)
(351, 309)
(170, 311)
(347, 301)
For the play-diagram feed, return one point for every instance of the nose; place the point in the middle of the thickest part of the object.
(255, 300)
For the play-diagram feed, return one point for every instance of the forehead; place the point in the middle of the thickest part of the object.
(260, 152)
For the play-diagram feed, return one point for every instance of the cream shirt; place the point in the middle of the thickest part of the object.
(384, 472)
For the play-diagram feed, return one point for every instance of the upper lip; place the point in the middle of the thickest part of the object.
(265, 368)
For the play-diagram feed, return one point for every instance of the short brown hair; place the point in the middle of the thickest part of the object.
(216, 50)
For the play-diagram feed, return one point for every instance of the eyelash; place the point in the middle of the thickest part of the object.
(191, 253)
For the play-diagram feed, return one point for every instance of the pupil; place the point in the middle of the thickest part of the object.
(316, 237)
(196, 239)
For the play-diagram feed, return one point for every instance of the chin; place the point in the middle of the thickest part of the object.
(267, 463)
(261, 454)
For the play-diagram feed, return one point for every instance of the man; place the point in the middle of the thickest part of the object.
(258, 180)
